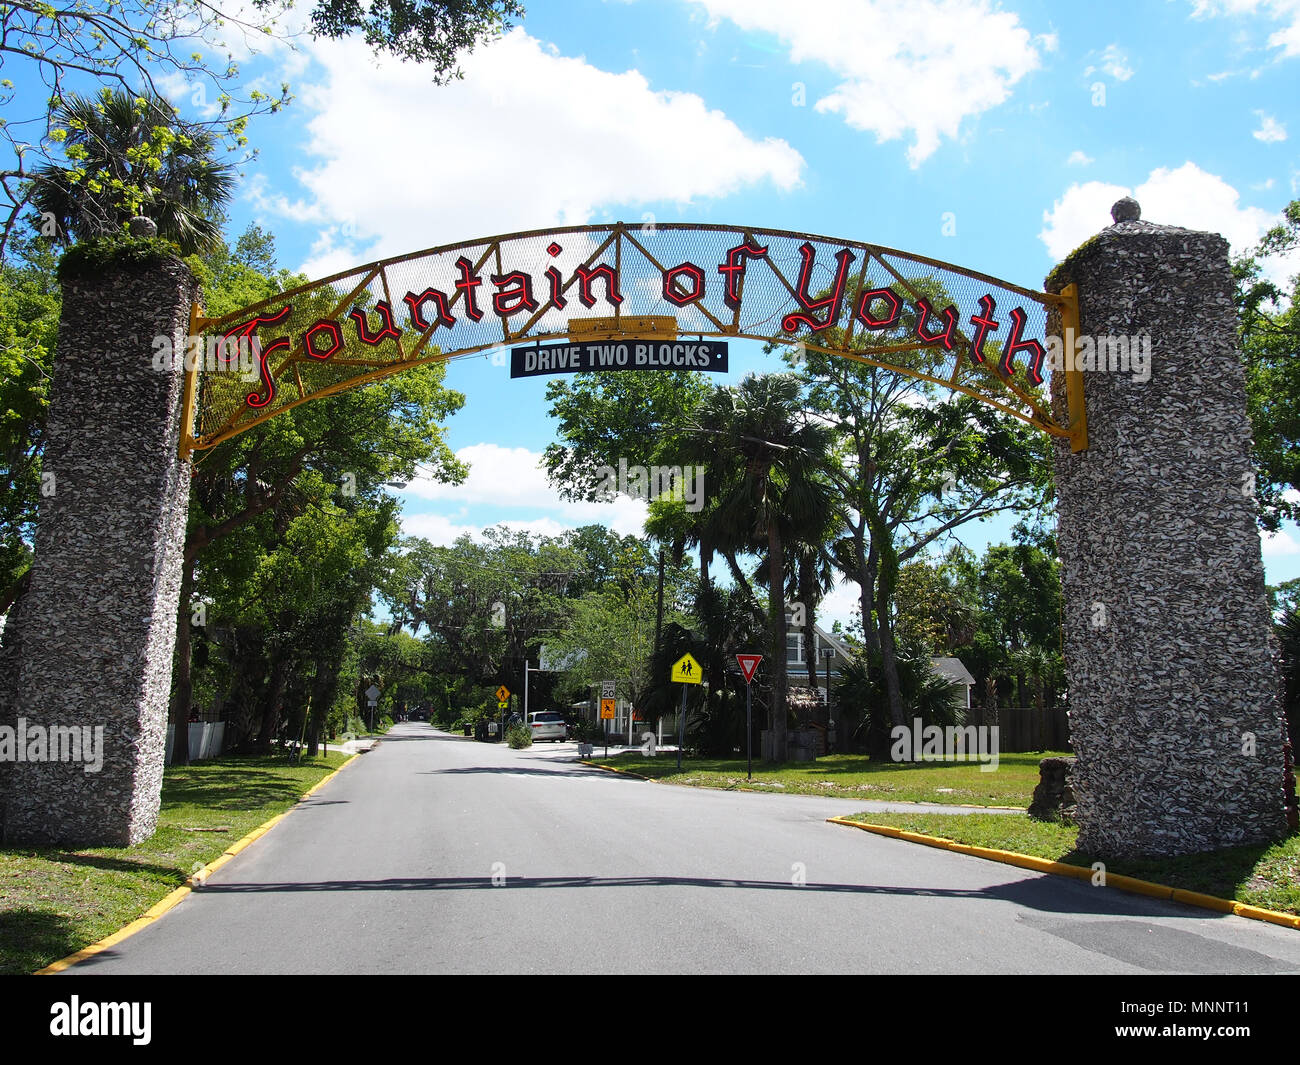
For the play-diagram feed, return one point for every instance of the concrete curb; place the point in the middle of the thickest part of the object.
(1079, 872)
(173, 898)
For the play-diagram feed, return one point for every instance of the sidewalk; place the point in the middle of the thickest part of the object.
(355, 746)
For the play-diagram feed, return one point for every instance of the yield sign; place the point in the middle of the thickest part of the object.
(748, 665)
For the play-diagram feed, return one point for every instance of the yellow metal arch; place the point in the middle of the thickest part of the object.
(617, 282)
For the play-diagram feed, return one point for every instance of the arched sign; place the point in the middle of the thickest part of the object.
(614, 297)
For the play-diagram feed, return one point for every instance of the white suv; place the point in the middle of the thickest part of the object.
(548, 725)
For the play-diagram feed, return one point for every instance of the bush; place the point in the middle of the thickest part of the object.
(861, 694)
(519, 736)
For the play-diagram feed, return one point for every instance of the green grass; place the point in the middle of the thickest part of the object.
(1266, 875)
(853, 776)
(54, 902)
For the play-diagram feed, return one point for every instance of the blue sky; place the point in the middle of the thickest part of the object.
(1016, 124)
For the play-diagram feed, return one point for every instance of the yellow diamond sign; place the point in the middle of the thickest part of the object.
(503, 693)
(687, 671)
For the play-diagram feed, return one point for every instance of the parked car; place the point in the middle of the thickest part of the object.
(548, 725)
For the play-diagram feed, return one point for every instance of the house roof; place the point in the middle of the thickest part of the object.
(952, 669)
(829, 639)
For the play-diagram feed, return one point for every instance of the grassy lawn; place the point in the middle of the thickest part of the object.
(54, 902)
(1262, 875)
(853, 776)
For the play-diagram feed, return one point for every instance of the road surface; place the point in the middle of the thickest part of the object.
(437, 854)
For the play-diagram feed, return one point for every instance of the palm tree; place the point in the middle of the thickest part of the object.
(133, 155)
(761, 455)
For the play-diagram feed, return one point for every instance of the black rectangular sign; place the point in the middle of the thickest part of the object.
(599, 356)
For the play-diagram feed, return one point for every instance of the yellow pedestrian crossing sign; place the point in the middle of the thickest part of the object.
(503, 693)
(687, 671)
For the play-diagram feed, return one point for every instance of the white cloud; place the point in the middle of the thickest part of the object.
(1270, 129)
(910, 67)
(1287, 11)
(559, 139)
(513, 478)
(1079, 158)
(1272, 545)
(440, 530)
(1113, 61)
(1186, 196)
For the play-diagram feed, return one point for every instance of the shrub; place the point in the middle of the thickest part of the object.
(519, 736)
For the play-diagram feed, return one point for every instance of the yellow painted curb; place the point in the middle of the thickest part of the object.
(171, 899)
(614, 769)
(1139, 887)
(1208, 902)
(1286, 920)
(165, 903)
(1079, 872)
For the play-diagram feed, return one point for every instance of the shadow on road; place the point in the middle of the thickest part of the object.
(1049, 895)
(516, 769)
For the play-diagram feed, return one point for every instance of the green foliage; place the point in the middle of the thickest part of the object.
(635, 416)
(519, 736)
(862, 694)
(127, 155)
(1288, 634)
(98, 256)
(30, 302)
(139, 49)
(291, 529)
(1270, 339)
(425, 31)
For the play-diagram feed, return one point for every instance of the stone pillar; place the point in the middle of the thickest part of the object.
(99, 620)
(1173, 685)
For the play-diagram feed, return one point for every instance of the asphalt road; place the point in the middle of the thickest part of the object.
(438, 854)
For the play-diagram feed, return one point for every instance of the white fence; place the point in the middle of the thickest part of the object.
(206, 739)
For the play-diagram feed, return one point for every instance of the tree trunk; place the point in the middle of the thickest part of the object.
(183, 685)
(886, 576)
(271, 702)
(659, 602)
(777, 714)
(324, 690)
(889, 663)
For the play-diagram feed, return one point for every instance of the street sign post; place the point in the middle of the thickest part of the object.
(685, 671)
(748, 667)
(503, 704)
(503, 693)
(607, 709)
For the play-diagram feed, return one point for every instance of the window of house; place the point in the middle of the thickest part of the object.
(794, 648)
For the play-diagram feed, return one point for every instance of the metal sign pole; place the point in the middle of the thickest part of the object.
(749, 732)
(681, 727)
